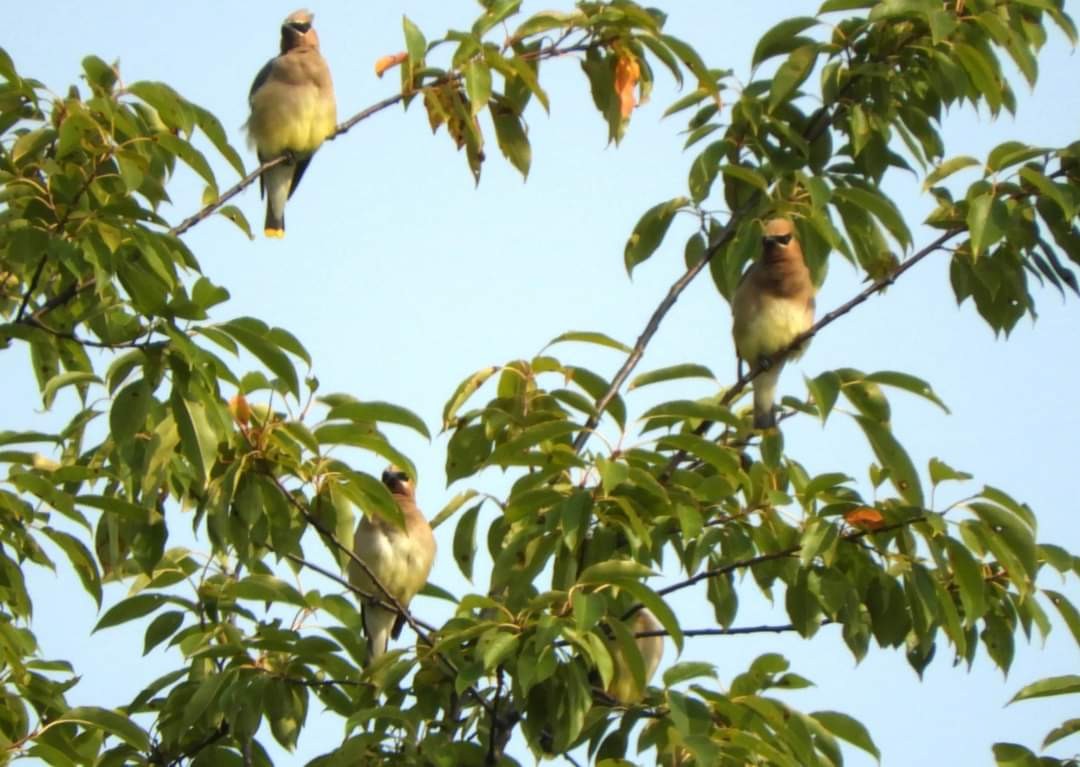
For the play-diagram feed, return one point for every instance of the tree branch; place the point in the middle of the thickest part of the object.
(761, 558)
(804, 337)
(345, 583)
(388, 600)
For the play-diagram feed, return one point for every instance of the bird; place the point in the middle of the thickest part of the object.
(773, 304)
(400, 558)
(623, 687)
(292, 112)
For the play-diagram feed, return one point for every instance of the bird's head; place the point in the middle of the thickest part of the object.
(397, 481)
(297, 31)
(778, 242)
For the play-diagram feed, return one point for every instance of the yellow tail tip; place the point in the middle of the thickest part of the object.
(276, 234)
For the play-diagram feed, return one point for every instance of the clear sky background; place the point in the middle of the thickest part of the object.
(402, 278)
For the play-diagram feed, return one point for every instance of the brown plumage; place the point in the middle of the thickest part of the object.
(773, 304)
(292, 112)
(623, 687)
(400, 558)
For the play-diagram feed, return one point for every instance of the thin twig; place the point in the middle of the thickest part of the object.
(779, 629)
(761, 558)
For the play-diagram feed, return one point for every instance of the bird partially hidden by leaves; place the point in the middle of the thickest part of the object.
(399, 557)
(773, 304)
(292, 112)
(623, 686)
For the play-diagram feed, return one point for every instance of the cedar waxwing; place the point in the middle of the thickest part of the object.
(623, 687)
(292, 112)
(773, 303)
(400, 558)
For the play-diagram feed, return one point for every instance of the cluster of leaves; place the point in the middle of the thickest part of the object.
(1015, 755)
(168, 429)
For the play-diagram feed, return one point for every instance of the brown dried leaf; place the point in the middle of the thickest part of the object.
(865, 517)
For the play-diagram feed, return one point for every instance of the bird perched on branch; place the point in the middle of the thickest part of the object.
(623, 687)
(773, 304)
(399, 558)
(292, 112)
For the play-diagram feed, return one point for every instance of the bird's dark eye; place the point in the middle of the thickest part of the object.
(783, 239)
(300, 26)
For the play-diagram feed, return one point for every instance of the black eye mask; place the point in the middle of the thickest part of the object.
(779, 239)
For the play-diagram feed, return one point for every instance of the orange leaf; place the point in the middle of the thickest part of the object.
(627, 74)
(240, 409)
(865, 517)
(389, 62)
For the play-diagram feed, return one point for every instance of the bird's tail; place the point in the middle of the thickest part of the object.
(765, 396)
(278, 181)
(378, 625)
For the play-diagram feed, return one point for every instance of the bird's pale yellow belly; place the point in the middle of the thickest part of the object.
(772, 327)
(299, 122)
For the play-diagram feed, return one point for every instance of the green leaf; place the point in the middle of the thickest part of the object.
(893, 457)
(942, 472)
(130, 609)
(968, 576)
(477, 84)
(464, 391)
(947, 168)
(881, 207)
(986, 220)
(246, 333)
(467, 452)
(235, 215)
(599, 339)
(129, 409)
(1068, 612)
(512, 138)
(1014, 755)
(382, 412)
(465, 541)
(782, 38)
(267, 588)
(650, 231)
(680, 672)
(791, 74)
(614, 569)
(415, 46)
(908, 383)
(111, 722)
(70, 378)
(846, 728)
(161, 628)
(1049, 190)
(82, 560)
(1064, 730)
(1066, 684)
(722, 458)
(825, 389)
(672, 373)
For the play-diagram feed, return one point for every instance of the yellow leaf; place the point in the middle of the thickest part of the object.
(627, 74)
(240, 409)
(389, 62)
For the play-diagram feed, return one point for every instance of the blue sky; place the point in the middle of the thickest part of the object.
(402, 278)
